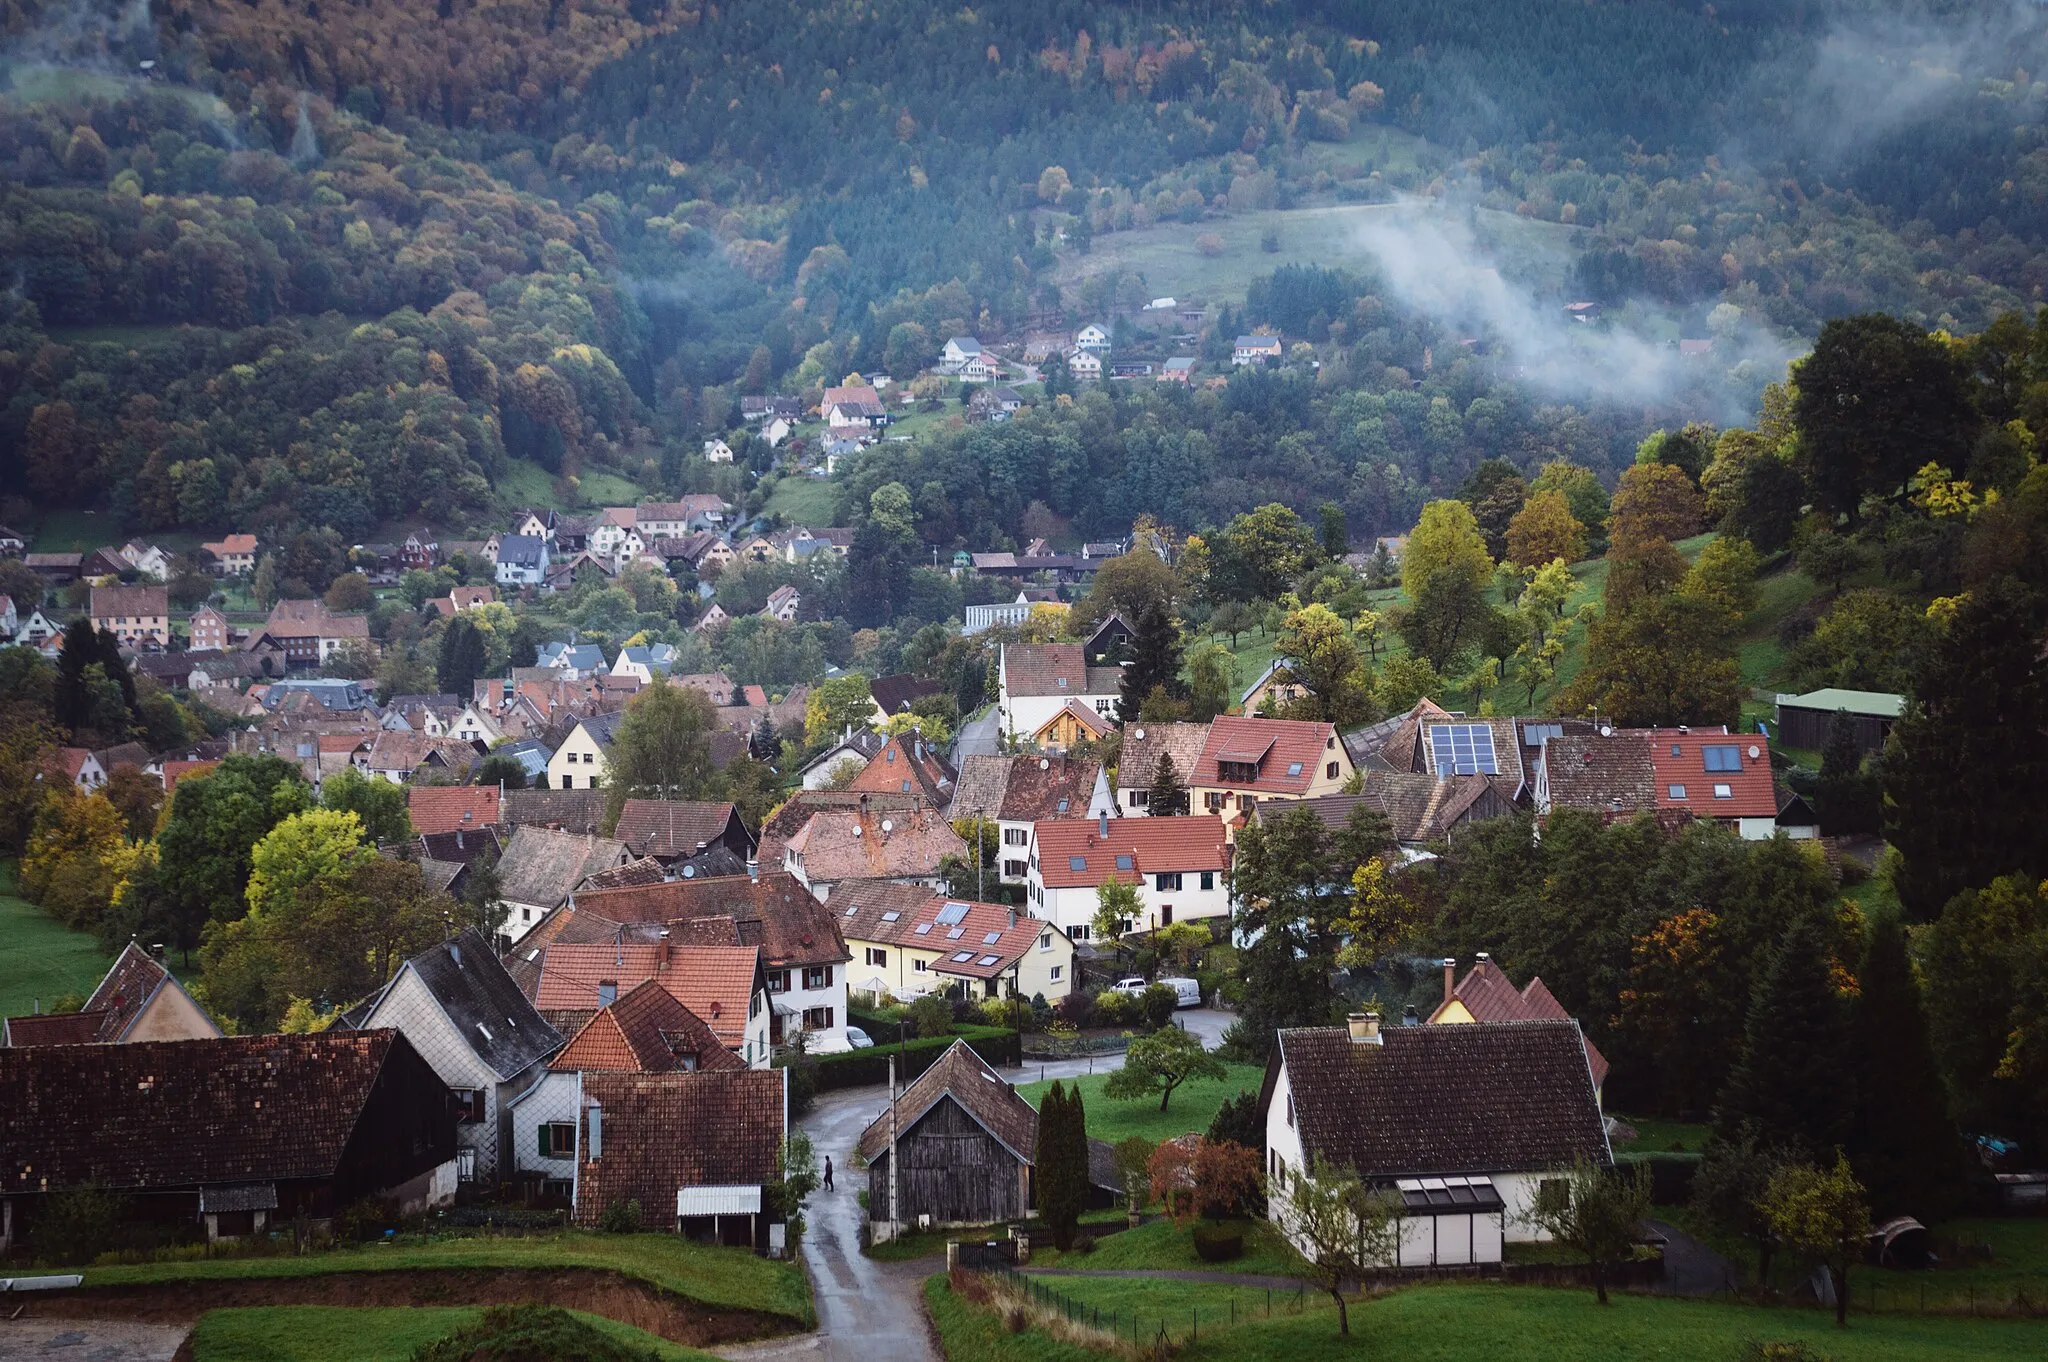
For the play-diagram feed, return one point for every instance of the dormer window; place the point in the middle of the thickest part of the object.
(607, 992)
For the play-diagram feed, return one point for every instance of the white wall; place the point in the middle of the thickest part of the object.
(1075, 908)
(408, 1007)
(555, 1100)
(823, 1041)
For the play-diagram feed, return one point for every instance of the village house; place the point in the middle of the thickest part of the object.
(907, 764)
(419, 551)
(645, 662)
(957, 1148)
(583, 760)
(755, 410)
(237, 1133)
(851, 408)
(1016, 793)
(839, 764)
(148, 560)
(727, 986)
(1092, 339)
(137, 1000)
(804, 955)
(688, 836)
(616, 533)
(1071, 725)
(449, 808)
(55, 568)
(470, 1022)
(783, 604)
(522, 560)
(461, 598)
(1246, 761)
(907, 942)
(1176, 864)
(867, 843)
(646, 1031)
(1255, 350)
(233, 555)
(1084, 365)
(13, 543)
(542, 867)
(309, 634)
(207, 631)
(1144, 745)
(1036, 679)
(674, 519)
(81, 768)
(1486, 995)
(139, 616)
(1180, 369)
(697, 1152)
(717, 451)
(1677, 774)
(1466, 1123)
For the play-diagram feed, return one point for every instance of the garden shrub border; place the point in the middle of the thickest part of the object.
(865, 1068)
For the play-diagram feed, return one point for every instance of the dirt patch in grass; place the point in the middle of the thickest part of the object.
(610, 1294)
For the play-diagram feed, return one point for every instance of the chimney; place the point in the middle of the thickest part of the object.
(664, 948)
(1102, 826)
(1364, 1028)
(1450, 979)
(1483, 958)
(1408, 1016)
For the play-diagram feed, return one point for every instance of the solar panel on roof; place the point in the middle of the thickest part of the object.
(1722, 758)
(952, 913)
(1463, 749)
(1536, 734)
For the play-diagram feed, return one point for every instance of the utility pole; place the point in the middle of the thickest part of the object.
(895, 1175)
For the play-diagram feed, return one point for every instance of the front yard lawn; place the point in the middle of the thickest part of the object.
(1192, 1106)
(327, 1333)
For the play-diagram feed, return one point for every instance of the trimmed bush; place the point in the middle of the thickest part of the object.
(1214, 1244)
(530, 1333)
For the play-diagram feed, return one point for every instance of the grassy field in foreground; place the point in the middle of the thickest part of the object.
(322, 1333)
(1656, 1136)
(1473, 1322)
(42, 958)
(1192, 1107)
(732, 1278)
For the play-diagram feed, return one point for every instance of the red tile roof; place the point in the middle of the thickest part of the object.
(715, 982)
(175, 771)
(907, 764)
(1286, 752)
(649, 1031)
(1679, 757)
(1073, 853)
(1490, 996)
(845, 844)
(992, 936)
(772, 910)
(451, 808)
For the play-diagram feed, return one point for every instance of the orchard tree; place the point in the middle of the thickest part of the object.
(1823, 1216)
(1345, 1228)
(1319, 656)
(1159, 1063)
(1654, 501)
(1596, 1213)
(1542, 530)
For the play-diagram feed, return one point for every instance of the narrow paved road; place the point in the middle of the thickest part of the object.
(89, 1340)
(870, 1311)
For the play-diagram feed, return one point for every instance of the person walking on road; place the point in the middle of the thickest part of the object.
(828, 1173)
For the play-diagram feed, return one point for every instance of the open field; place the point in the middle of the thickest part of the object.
(1192, 1107)
(526, 483)
(803, 500)
(1328, 235)
(318, 1333)
(1656, 1136)
(1471, 1322)
(729, 1278)
(41, 959)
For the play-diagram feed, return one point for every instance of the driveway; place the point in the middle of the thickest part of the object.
(90, 1340)
(870, 1311)
(980, 737)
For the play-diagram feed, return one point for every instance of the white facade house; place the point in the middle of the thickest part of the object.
(645, 664)
(1254, 350)
(1036, 680)
(1092, 338)
(1084, 364)
(717, 451)
(616, 533)
(522, 560)
(471, 1023)
(1405, 1108)
(1177, 865)
(583, 760)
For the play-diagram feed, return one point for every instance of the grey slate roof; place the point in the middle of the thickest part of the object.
(542, 866)
(1498, 1097)
(485, 1005)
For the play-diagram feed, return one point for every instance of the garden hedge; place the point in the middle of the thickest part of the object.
(865, 1068)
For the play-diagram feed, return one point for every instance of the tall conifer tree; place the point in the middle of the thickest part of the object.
(1904, 1145)
(1795, 1082)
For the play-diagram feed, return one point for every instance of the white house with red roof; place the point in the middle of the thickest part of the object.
(725, 986)
(1177, 865)
(1717, 775)
(1245, 762)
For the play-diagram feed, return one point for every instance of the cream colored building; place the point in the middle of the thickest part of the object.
(907, 942)
(583, 762)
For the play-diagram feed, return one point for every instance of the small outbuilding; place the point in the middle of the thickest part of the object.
(1805, 720)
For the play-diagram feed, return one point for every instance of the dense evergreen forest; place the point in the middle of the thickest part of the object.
(335, 266)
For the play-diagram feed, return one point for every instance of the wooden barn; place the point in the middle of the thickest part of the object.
(965, 1140)
(1806, 720)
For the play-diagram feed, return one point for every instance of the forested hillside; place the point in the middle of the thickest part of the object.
(415, 240)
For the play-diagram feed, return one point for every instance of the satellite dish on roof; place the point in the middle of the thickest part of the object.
(1755, 751)
(1607, 730)
(1139, 734)
(888, 825)
(856, 829)
(689, 872)
(1044, 765)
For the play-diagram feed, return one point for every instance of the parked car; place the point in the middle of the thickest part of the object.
(1187, 992)
(858, 1038)
(1131, 985)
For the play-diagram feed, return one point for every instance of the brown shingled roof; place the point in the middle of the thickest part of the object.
(670, 828)
(1048, 787)
(845, 844)
(666, 1132)
(1611, 775)
(1509, 1097)
(965, 1077)
(772, 910)
(447, 808)
(164, 1114)
(1040, 668)
(1490, 996)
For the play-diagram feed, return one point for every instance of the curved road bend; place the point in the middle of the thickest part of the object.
(870, 1311)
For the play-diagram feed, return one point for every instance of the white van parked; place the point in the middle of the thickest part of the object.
(1186, 992)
